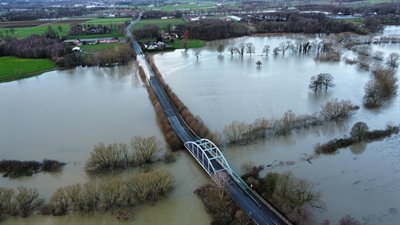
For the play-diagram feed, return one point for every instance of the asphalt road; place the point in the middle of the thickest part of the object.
(254, 207)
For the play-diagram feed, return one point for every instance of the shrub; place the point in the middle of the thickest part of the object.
(151, 186)
(145, 148)
(107, 158)
(26, 201)
(336, 110)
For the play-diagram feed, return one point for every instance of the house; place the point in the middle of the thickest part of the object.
(77, 42)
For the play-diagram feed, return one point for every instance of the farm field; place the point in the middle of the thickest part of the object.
(90, 49)
(159, 22)
(13, 66)
(188, 5)
(24, 29)
(107, 21)
(25, 32)
(113, 33)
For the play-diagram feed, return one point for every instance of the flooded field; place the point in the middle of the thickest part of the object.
(61, 115)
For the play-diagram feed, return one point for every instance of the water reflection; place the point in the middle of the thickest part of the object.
(358, 148)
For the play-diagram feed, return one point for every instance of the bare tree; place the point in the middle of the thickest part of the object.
(327, 80)
(145, 149)
(363, 61)
(241, 48)
(316, 82)
(105, 158)
(266, 50)
(113, 194)
(336, 110)
(151, 186)
(372, 96)
(393, 59)
(387, 82)
(5, 199)
(220, 48)
(197, 53)
(84, 197)
(284, 46)
(26, 201)
(234, 132)
(61, 201)
(234, 50)
(250, 48)
(378, 55)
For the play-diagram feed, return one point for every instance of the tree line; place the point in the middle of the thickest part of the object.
(117, 196)
(50, 46)
(16, 168)
(244, 133)
(359, 132)
(117, 156)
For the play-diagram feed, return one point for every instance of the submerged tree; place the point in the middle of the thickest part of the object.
(336, 110)
(266, 50)
(321, 80)
(220, 48)
(393, 59)
(358, 130)
(250, 48)
(316, 83)
(197, 53)
(145, 148)
(258, 63)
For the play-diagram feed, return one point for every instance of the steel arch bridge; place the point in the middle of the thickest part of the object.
(209, 156)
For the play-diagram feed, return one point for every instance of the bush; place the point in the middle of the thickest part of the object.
(26, 201)
(108, 158)
(151, 186)
(337, 110)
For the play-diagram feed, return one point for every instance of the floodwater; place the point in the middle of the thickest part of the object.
(362, 180)
(62, 114)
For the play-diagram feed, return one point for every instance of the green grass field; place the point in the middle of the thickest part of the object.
(27, 31)
(12, 66)
(90, 49)
(159, 22)
(107, 21)
(113, 33)
(188, 5)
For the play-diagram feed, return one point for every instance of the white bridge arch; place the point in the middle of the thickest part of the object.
(209, 156)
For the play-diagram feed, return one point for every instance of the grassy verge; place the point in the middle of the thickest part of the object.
(14, 67)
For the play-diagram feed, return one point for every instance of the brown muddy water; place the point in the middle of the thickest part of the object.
(62, 114)
(362, 181)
